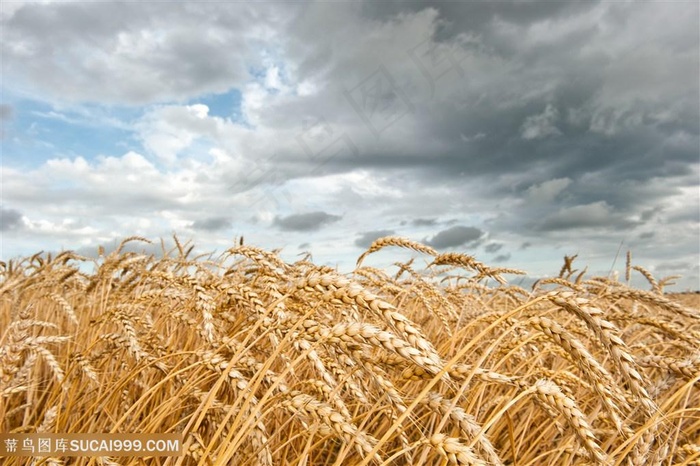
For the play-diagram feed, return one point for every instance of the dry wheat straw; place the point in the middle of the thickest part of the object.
(551, 396)
(396, 241)
(303, 403)
(607, 333)
(455, 451)
(257, 361)
(600, 378)
(467, 423)
(688, 368)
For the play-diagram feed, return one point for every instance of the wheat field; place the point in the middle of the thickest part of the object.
(438, 360)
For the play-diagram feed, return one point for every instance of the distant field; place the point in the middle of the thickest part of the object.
(260, 362)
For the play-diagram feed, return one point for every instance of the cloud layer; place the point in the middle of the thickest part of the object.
(305, 222)
(475, 126)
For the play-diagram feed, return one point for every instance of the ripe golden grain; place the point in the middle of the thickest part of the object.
(256, 361)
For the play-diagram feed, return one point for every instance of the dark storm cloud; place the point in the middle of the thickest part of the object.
(212, 224)
(455, 236)
(366, 238)
(458, 17)
(572, 121)
(634, 155)
(311, 221)
(10, 219)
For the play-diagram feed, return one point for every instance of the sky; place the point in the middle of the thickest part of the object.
(517, 132)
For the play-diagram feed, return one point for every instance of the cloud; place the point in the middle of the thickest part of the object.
(455, 236)
(542, 125)
(311, 221)
(493, 247)
(10, 219)
(475, 137)
(596, 214)
(168, 130)
(649, 214)
(367, 238)
(424, 222)
(212, 224)
(550, 125)
(547, 191)
(678, 267)
(143, 51)
(6, 112)
(502, 258)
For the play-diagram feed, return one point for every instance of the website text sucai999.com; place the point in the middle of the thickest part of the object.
(45, 444)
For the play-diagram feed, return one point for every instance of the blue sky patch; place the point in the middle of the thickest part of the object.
(39, 131)
(227, 105)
